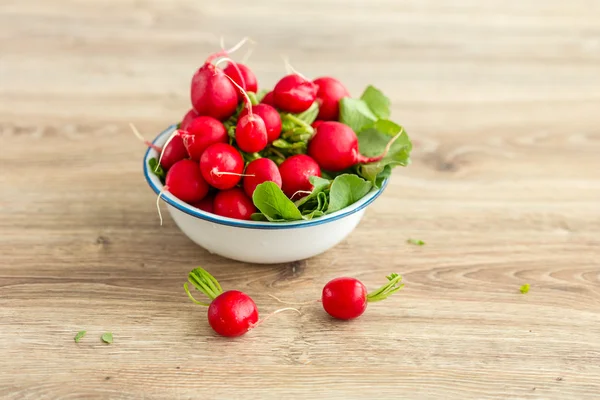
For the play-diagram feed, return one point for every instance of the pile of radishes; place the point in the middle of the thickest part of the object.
(233, 313)
(238, 151)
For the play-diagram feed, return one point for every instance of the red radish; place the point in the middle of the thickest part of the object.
(233, 203)
(335, 147)
(294, 93)
(317, 123)
(330, 92)
(184, 181)
(206, 204)
(212, 93)
(232, 313)
(268, 99)
(347, 298)
(201, 133)
(270, 117)
(172, 151)
(247, 81)
(251, 133)
(295, 173)
(189, 117)
(259, 171)
(221, 165)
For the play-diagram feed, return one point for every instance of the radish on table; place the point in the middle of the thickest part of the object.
(231, 313)
(347, 298)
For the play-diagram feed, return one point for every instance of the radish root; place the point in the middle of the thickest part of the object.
(224, 52)
(300, 192)
(219, 173)
(237, 69)
(295, 304)
(290, 69)
(263, 320)
(143, 139)
(164, 189)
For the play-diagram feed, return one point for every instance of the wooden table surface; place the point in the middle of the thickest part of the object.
(502, 100)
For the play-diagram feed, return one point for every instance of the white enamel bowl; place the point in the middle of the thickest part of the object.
(253, 241)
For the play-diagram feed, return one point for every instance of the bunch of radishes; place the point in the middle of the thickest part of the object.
(235, 139)
(233, 313)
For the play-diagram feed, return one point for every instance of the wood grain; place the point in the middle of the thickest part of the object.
(501, 99)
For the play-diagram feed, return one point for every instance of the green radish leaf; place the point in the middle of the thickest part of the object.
(383, 175)
(377, 102)
(261, 94)
(107, 337)
(416, 242)
(356, 114)
(253, 98)
(281, 144)
(156, 169)
(525, 288)
(79, 336)
(310, 115)
(258, 217)
(319, 184)
(346, 190)
(373, 140)
(313, 214)
(274, 204)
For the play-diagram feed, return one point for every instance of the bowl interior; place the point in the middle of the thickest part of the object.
(157, 186)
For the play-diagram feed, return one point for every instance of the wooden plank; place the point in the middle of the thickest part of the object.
(501, 99)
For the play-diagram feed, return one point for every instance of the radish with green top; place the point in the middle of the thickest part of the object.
(347, 298)
(231, 313)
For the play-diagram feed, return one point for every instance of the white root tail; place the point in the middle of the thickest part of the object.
(293, 303)
(164, 189)
(175, 133)
(263, 320)
(290, 69)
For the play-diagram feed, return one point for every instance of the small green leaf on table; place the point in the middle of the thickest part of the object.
(525, 288)
(416, 242)
(107, 337)
(79, 336)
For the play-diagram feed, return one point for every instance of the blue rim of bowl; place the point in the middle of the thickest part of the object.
(157, 186)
